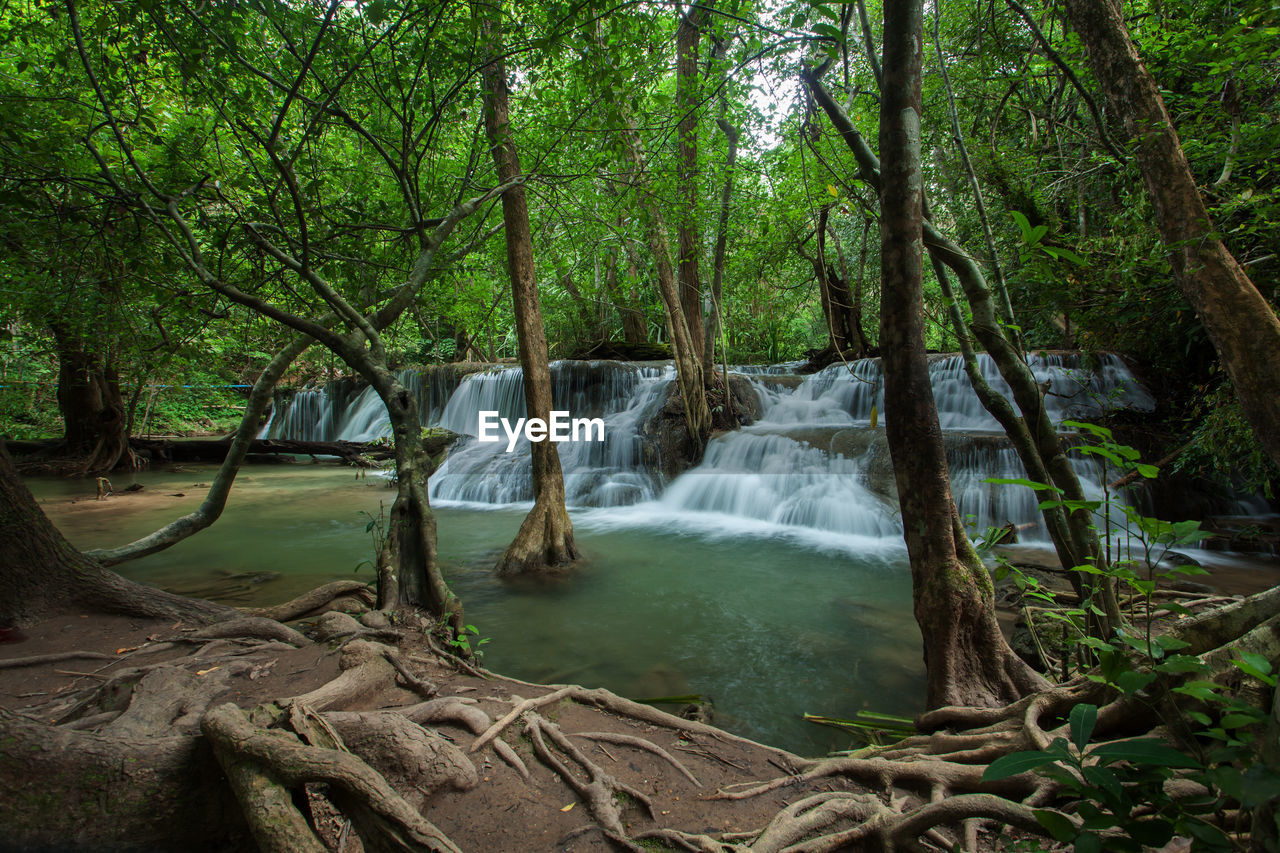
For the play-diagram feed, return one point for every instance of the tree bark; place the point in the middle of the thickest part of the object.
(715, 320)
(42, 574)
(967, 660)
(109, 792)
(1239, 320)
(688, 36)
(545, 538)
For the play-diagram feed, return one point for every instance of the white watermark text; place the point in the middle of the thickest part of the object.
(560, 427)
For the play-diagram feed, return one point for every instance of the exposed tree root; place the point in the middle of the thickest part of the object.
(451, 709)
(309, 602)
(251, 627)
(36, 660)
(386, 821)
(599, 792)
(641, 743)
(409, 757)
(365, 669)
(377, 768)
(608, 701)
(167, 698)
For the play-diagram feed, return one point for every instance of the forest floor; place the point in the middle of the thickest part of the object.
(502, 811)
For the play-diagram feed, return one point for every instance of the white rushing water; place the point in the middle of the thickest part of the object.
(811, 465)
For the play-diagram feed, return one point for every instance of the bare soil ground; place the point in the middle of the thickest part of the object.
(503, 811)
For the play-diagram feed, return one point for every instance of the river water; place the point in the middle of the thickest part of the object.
(768, 625)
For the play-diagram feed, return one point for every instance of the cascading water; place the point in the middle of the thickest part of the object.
(811, 463)
(826, 470)
(338, 411)
(607, 473)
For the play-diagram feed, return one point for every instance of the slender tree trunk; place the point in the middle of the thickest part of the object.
(850, 294)
(545, 538)
(688, 36)
(42, 574)
(633, 328)
(95, 421)
(715, 320)
(967, 660)
(838, 288)
(689, 373)
(693, 392)
(588, 315)
(1240, 322)
(980, 205)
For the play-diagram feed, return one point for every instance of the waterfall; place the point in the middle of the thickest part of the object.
(811, 462)
(605, 473)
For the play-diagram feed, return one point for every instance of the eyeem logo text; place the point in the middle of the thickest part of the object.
(559, 428)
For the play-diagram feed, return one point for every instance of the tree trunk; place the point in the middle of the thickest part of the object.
(633, 328)
(967, 660)
(688, 35)
(93, 411)
(689, 373)
(545, 538)
(409, 565)
(715, 320)
(838, 289)
(1240, 322)
(42, 574)
(112, 793)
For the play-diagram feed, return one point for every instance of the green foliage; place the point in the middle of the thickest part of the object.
(462, 643)
(1224, 447)
(1120, 786)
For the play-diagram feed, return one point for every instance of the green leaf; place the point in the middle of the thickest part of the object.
(825, 29)
(1205, 691)
(1088, 843)
(1083, 718)
(1235, 721)
(1024, 224)
(1181, 664)
(1068, 255)
(1260, 785)
(1256, 665)
(1170, 643)
(1021, 481)
(1132, 681)
(1081, 426)
(1102, 778)
(1015, 763)
(1207, 834)
(1143, 751)
(1057, 824)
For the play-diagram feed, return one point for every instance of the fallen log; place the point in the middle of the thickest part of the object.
(214, 450)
